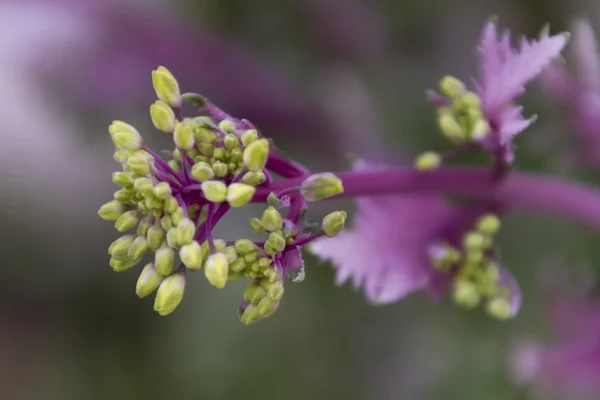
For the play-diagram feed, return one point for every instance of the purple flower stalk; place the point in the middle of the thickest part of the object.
(405, 237)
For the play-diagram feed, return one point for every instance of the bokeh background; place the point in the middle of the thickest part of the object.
(324, 78)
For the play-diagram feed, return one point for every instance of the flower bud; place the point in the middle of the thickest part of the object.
(250, 315)
(275, 243)
(138, 248)
(267, 307)
(166, 87)
(231, 141)
(185, 231)
(120, 265)
(237, 266)
(177, 215)
(127, 221)
(215, 191)
(254, 178)
(217, 269)
(122, 179)
(428, 160)
(244, 246)
(144, 226)
(256, 225)
(125, 135)
(256, 155)
(148, 281)
(321, 186)
(111, 211)
(191, 255)
(202, 172)
(480, 130)
(171, 204)
(271, 219)
(143, 186)
(465, 294)
(452, 87)
(333, 223)
(173, 237)
(275, 291)
(227, 126)
(183, 135)
(473, 241)
(162, 116)
(239, 194)
(221, 169)
(488, 224)
(162, 191)
(499, 308)
(138, 165)
(120, 247)
(170, 293)
(121, 155)
(164, 260)
(451, 128)
(249, 136)
(155, 237)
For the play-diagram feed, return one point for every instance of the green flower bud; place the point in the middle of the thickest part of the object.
(221, 169)
(244, 246)
(271, 219)
(166, 222)
(162, 116)
(138, 248)
(183, 135)
(276, 241)
(124, 195)
(321, 186)
(451, 128)
(143, 186)
(239, 194)
(148, 281)
(474, 256)
(170, 293)
(256, 155)
(191, 255)
(112, 210)
(428, 160)
(499, 308)
(120, 247)
(471, 101)
(480, 129)
(227, 126)
(219, 153)
(250, 315)
(333, 223)
(465, 294)
(162, 191)
(120, 264)
(155, 237)
(202, 172)
(217, 269)
(127, 221)
(248, 137)
(144, 226)
(488, 224)
(220, 244)
(231, 254)
(128, 139)
(122, 179)
(275, 291)
(250, 289)
(214, 191)
(231, 141)
(473, 241)
(206, 149)
(267, 307)
(177, 215)
(172, 237)
(164, 260)
(264, 262)
(256, 225)
(121, 155)
(175, 166)
(452, 87)
(237, 266)
(237, 154)
(166, 87)
(254, 178)
(185, 231)
(171, 204)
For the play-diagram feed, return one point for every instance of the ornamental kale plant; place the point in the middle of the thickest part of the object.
(406, 235)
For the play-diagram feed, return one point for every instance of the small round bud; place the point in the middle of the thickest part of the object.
(173, 237)
(471, 101)
(465, 294)
(155, 237)
(452, 87)
(164, 260)
(451, 128)
(122, 179)
(143, 186)
(321, 186)
(473, 241)
(148, 281)
(162, 191)
(111, 211)
(227, 126)
(166, 87)
(271, 219)
(166, 222)
(191, 255)
(185, 230)
(138, 248)
(275, 291)
(202, 172)
(231, 141)
(170, 293)
(214, 191)
(488, 224)
(162, 116)
(256, 155)
(183, 135)
(221, 169)
(499, 308)
(275, 243)
(480, 130)
(144, 226)
(127, 221)
(256, 225)
(254, 178)
(333, 223)
(249, 136)
(428, 160)
(127, 139)
(121, 155)
(206, 149)
(239, 194)
(120, 247)
(171, 204)
(217, 269)
(244, 246)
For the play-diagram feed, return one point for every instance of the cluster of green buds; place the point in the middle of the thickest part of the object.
(217, 163)
(478, 278)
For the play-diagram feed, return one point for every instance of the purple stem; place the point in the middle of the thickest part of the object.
(306, 240)
(285, 168)
(163, 164)
(518, 191)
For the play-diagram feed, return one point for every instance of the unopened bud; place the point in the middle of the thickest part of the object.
(465, 294)
(473, 241)
(127, 221)
(120, 247)
(144, 226)
(499, 308)
(166, 87)
(276, 242)
(120, 265)
(155, 237)
(122, 179)
(250, 315)
(451, 128)
(256, 225)
(480, 130)
(170, 293)
(183, 135)
(217, 269)
(164, 260)
(227, 126)
(239, 194)
(256, 155)
(231, 141)
(111, 211)
(138, 248)
(333, 223)
(271, 219)
(191, 255)
(214, 191)
(428, 160)
(162, 191)
(202, 172)
(254, 178)
(488, 224)
(244, 246)
(162, 116)
(148, 281)
(275, 291)
(249, 136)
(221, 169)
(143, 186)
(321, 186)
(171, 204)
(267, 307)
(452, 87)
(185, 231)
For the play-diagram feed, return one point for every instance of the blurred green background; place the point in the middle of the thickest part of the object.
(340, 76)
